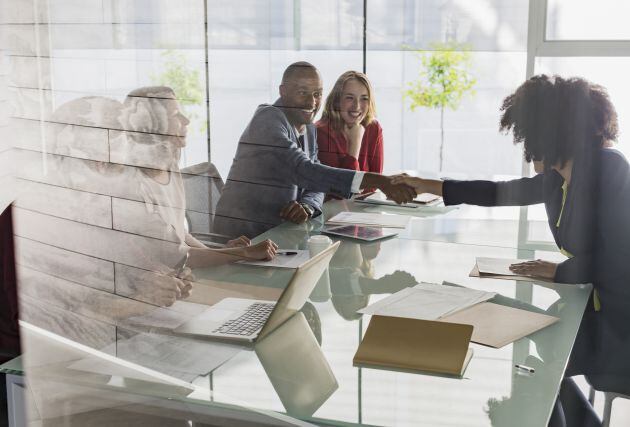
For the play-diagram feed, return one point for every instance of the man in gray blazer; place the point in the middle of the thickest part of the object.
(276, 176)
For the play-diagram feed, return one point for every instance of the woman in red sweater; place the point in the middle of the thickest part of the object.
(348, 136)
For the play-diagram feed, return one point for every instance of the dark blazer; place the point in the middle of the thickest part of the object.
(595, 228)
(269, 170)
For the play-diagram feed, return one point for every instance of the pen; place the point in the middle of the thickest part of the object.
(286, 253)
(525, 368)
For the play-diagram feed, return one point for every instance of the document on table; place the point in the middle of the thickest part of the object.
(427, 301)
(423, 199)
(499, 268)
(370, 219)
(286, 258)
(177, 357)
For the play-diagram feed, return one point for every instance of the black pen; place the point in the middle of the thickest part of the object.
(286, 253)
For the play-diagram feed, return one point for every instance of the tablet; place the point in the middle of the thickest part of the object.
(359, 232)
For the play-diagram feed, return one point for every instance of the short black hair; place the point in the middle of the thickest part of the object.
(557, 118)
(295, 68)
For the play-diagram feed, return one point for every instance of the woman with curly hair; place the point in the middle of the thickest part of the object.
(568, 126)
(348, 135)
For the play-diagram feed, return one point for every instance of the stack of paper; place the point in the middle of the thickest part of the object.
(427, 301)
(370, 219)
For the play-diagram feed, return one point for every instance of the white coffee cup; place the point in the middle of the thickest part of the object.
(317, 244)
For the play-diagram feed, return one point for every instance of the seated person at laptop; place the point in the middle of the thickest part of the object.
(348, 135)
(567, 127)
(160, 134)
(276, 173)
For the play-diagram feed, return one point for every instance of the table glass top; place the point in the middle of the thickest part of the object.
(304, 367)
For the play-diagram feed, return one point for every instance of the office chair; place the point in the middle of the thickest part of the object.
(203, 185)
(612, 387)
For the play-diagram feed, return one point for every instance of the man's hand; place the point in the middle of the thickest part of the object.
(294, 212)
(262, 251)
(537, 268)
(239, 242)
(400, 193)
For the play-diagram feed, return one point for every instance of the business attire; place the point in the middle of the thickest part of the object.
(590, 222)
(333, 148)
(274, 165)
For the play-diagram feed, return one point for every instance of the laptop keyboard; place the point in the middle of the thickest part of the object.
(249, 322)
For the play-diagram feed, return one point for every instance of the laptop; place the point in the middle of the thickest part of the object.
(247, 320)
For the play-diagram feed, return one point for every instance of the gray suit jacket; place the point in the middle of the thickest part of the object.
(269, 170)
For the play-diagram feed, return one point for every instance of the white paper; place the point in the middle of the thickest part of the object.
(421, 200)
(370, 219)
(427, 301)
(388, 203)
(500, 266)
(179, 357)
(283, 261)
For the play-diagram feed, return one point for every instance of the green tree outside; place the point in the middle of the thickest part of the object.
(185, 82)
(444, 80)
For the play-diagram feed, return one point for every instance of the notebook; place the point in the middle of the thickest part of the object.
(415, 345)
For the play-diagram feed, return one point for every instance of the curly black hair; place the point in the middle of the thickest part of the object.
(558, 118)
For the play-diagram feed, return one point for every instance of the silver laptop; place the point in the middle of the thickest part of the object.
(247, 320)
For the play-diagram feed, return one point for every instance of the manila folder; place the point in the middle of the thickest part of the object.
(415, 345)
(496, 325)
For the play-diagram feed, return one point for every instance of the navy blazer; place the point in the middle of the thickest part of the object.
(595, 228)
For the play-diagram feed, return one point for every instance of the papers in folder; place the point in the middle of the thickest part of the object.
(494, 325)
(427, 301)
(370, 219)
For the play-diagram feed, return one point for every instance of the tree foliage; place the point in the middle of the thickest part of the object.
(185, 82)
(444, 77)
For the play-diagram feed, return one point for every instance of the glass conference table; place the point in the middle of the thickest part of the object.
(302, 373)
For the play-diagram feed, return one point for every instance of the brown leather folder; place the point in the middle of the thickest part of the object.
(414, 345)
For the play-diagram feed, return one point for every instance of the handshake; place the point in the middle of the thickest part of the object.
(401, 188)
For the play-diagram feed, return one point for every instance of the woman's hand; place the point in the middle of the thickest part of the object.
(185, 283)
(239, 242)
(164, 289)
(537, 268)
(420, 185)
(416, 183)
(354, 135)
(262, 251)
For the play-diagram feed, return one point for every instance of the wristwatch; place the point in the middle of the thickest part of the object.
(308, 208)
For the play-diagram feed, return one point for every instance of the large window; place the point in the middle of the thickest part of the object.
(275, 34)
(495, 33)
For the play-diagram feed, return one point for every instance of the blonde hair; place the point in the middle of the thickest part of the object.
(331, 108)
